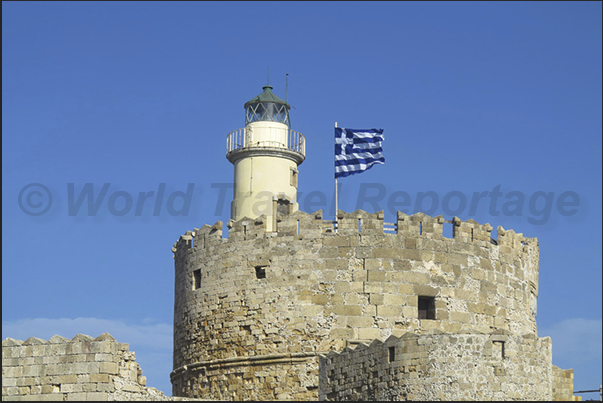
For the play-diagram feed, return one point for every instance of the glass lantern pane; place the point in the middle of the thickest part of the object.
(267, 111)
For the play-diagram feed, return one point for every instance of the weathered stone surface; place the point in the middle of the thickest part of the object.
(270, 305)
(67, 372)
(323, 291)
(440, 366)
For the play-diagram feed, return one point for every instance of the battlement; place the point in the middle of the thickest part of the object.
(359, 222)
(306, 289)
(461, 365)
(83, 368)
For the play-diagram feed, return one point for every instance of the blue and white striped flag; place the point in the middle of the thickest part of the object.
(357, 150)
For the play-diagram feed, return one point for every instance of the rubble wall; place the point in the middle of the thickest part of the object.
(462, 366)
(81, 369)
(253, 310)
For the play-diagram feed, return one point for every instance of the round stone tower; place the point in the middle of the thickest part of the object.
(265, 155)
(254, 311)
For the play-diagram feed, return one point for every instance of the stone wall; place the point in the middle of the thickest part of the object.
(253, 311)
(435, 366)
(83, 368)
(563, 384)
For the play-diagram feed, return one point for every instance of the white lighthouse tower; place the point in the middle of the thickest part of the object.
(265, 155)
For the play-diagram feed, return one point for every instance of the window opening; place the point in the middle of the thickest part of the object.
(499, 347)
(294, 173)
(196, 279)
(260, 271)
(426, 307)
(282, 206)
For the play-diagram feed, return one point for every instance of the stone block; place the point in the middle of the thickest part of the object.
(403, 265)
(394, 299)
(394, 277)
(348, 310)
(12, 372)
(50, 389)
(374, 275)
(467, 295)
(72, 378)
(356, 286)
(411, 254)
(370, 310)
(368, 333)
(106, 347)
(105, 387)
(320, 299)
(475, 307)
(352, 298)
(373, 288)
(389, 311)
(80, 396)
(108, 368)
(71, 387)
(427, 324)
(100, 378)
(34, 370)
(425, 290)
(416, 278)
(360, 321)
(463, 317)
(490, 309)
(341, 286)
(373, 264)
(97, 396)
(410, 312)
(457, 259)
(386, 253)
(337, 241)
(342, 333)
(376, 299)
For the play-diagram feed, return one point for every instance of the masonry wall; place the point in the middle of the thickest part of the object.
(83, 368)
(563, 384)
(240, 336)
(434, 366)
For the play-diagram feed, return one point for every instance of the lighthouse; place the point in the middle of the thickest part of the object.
(265, 154)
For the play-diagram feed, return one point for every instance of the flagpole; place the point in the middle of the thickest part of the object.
(336, 197)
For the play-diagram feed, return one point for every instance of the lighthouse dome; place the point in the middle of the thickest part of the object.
(267, 107)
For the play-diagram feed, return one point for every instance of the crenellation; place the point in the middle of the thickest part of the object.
(81, 368)
(429, 366)
(307, 288)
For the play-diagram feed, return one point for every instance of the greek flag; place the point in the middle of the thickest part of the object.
(357, 150)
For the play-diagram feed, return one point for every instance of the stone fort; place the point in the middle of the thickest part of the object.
(289, 306)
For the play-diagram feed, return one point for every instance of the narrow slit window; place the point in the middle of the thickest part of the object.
(420, 228)
(499, 348)
(297, 227)
(471, 234)
(392, 354)
(260, 271)
(294, 173)
(359, 225)
(196, 279)
(427, 307)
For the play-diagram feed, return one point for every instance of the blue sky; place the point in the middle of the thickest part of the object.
(472, 97)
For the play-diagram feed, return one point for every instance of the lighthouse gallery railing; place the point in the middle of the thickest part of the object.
(237, 139)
